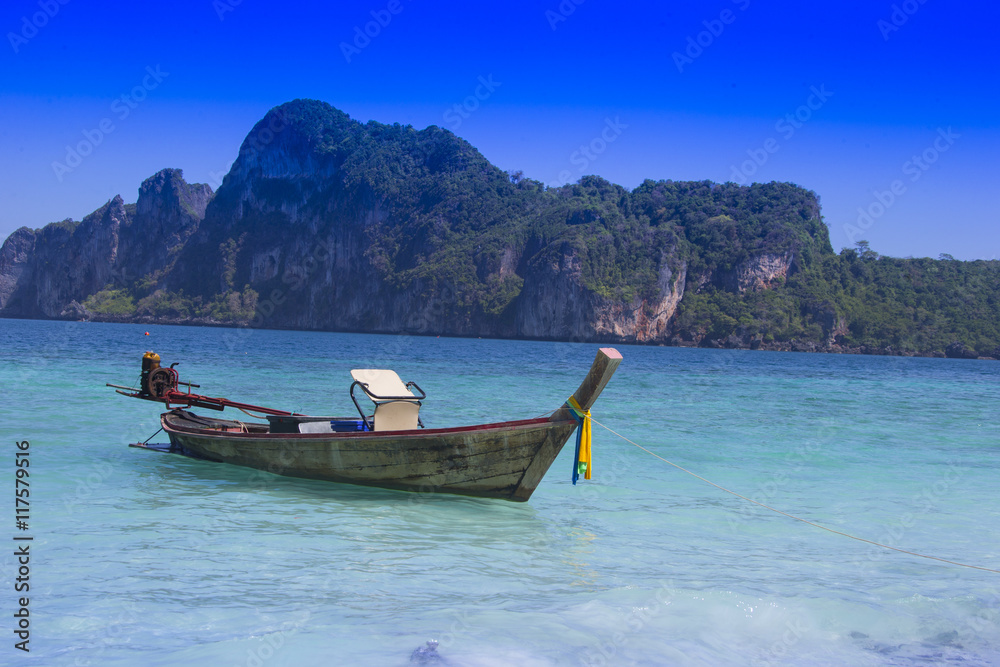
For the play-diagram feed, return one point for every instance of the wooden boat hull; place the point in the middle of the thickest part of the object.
(504, 460)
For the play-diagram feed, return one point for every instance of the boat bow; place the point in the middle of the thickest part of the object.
(604, 366)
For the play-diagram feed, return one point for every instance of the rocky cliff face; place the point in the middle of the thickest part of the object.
(167, 212)
(759, 273)
(556, 304)
(49, 272)
(308, 220)
(325, 223)
(15, 269)
(67, 262)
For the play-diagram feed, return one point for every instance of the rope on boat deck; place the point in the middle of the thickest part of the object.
(247, 412)
(792, 516)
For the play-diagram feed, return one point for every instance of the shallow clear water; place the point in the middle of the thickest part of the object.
(153, 559)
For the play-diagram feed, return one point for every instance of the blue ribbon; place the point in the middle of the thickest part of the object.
(576, 456)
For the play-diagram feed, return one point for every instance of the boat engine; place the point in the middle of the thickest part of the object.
(156, 381)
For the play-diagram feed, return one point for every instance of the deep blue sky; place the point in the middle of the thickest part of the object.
(928, 88)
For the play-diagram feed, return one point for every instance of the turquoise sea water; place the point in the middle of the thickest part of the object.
(141, 558)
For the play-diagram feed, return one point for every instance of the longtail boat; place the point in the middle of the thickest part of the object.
(389, 448)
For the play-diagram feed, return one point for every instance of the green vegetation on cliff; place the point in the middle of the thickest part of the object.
(111, 302)
(424, 217)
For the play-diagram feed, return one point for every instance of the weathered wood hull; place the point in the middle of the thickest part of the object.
(504, 460)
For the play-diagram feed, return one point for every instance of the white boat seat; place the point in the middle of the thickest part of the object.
(396, 407)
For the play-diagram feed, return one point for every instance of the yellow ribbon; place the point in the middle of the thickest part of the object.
(584, 463)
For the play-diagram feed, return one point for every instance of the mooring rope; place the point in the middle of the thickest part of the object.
(792, 516)
(146, 441)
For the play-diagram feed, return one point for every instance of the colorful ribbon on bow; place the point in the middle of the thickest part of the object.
(581, 463)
